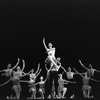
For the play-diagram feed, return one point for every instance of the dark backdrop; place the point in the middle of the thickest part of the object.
(71, 25)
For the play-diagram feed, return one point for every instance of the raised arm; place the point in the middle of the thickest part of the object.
(64, 69)
(45, 44)
(82, 64)
(38, 68)
(38, 72)
(78, 73)
(16, 64)
(23, 64)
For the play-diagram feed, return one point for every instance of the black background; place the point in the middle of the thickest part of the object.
(71, 25)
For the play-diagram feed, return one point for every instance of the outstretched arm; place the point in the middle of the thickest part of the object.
(78, 73)
(82, 64)
(16, 64)
(97, 70)
(23, 64)
(69, 82)
(3, 70)
(94, 79)
(36, 83)
(38, 68)
(64, 69)
(45, 44)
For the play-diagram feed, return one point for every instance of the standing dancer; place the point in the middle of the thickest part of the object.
(90, 70)
(53, 74)
(9, 70)
(86, 88)
(33, 75)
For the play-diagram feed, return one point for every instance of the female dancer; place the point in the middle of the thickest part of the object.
(86, 88)
(9, 70)
(90, 70)
(32, 77)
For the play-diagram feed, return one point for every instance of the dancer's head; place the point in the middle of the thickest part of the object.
(60, 75)
(18, 68)
(90, 66)
(58, 58)
(69, 68)
(41, 78)
(9, 66)
(32, 71)
(85, 74)
(50, 45)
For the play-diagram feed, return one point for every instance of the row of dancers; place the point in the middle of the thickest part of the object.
(57, 88)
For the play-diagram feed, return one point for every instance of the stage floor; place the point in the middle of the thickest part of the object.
(55, 99)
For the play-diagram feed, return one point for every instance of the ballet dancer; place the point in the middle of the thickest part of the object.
(70, 74)
(51, 54)
(90, 70)
(9, 70)
(17, 75)
(42, 86)
(86, 88)
(53, 75)
(33, 75)
(61, 89)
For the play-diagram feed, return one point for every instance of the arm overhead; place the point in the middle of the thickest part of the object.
(38, 72)
(23, 64)
(45, 44)
(82, 64)
(38, 68)
(16, 64)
